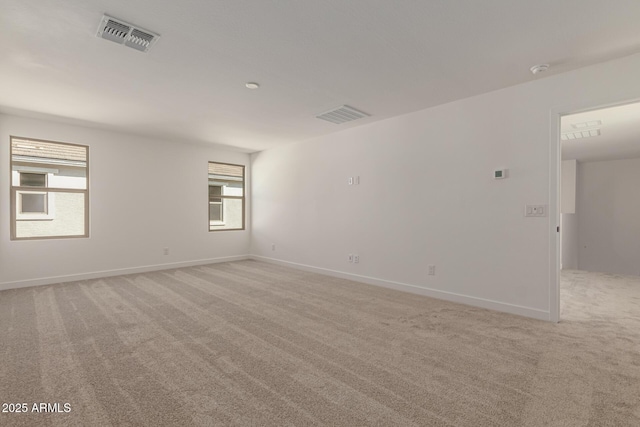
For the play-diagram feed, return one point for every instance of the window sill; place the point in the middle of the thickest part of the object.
(35, 218)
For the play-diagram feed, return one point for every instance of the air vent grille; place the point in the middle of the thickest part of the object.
(139, 40)
(124, 33)
(583, 125)
(115, 31)
(342, 114)
(568, 136)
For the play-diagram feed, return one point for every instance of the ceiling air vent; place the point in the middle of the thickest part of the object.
(139, 40)
(126, 34)
(568, 136)
(342, 114)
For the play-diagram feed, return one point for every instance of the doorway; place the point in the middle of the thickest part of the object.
(598, 203)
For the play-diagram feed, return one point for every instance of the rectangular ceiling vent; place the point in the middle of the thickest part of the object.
(568, 136)
(342, 114)
(584, 125)
(126, 34)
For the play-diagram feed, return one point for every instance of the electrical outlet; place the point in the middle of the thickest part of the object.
(350, 180)
(432, 270)
(166, 251)
(356, 259)
(350, 257)
(357, 180)
(273, 246)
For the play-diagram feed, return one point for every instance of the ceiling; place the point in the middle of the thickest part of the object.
(619, 138)
(382, 57)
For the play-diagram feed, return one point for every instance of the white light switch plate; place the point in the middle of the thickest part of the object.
(536, 210)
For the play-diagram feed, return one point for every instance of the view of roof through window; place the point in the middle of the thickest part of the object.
(28, 149)
(225, 169)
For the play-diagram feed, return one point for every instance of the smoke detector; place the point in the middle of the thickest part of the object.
(126, 34)
(342, 114)
(539, 68)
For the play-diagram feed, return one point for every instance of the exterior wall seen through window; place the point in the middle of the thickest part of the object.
(49, 189)
(226, 196)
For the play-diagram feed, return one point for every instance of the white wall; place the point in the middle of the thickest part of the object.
(569, 226)
(145, 195)
(569, 229)
(609, 216)
(568, 188)
(427, 195)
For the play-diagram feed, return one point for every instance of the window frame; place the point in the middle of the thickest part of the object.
(229, 197)
(49, 192)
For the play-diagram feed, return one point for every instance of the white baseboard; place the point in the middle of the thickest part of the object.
(433, 293)
(117, 272)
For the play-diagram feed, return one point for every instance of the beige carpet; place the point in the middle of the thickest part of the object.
(249, 343)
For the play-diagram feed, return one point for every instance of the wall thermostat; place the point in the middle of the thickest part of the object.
(500, 173)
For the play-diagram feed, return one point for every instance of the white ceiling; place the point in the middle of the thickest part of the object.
(619, 134)
(380, 56)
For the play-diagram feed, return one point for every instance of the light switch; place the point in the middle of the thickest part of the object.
(535, 210)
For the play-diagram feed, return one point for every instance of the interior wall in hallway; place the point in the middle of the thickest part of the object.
(608, 203)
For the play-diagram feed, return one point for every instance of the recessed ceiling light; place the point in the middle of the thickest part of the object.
(539, 68)
(252, 85)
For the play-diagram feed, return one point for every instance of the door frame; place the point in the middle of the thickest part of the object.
(555, 183)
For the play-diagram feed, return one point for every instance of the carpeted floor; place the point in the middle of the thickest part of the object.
(250, 343)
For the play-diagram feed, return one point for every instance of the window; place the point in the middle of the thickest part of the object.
(49, 189)
(226, 196)
(33, 204)
(33, 179)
